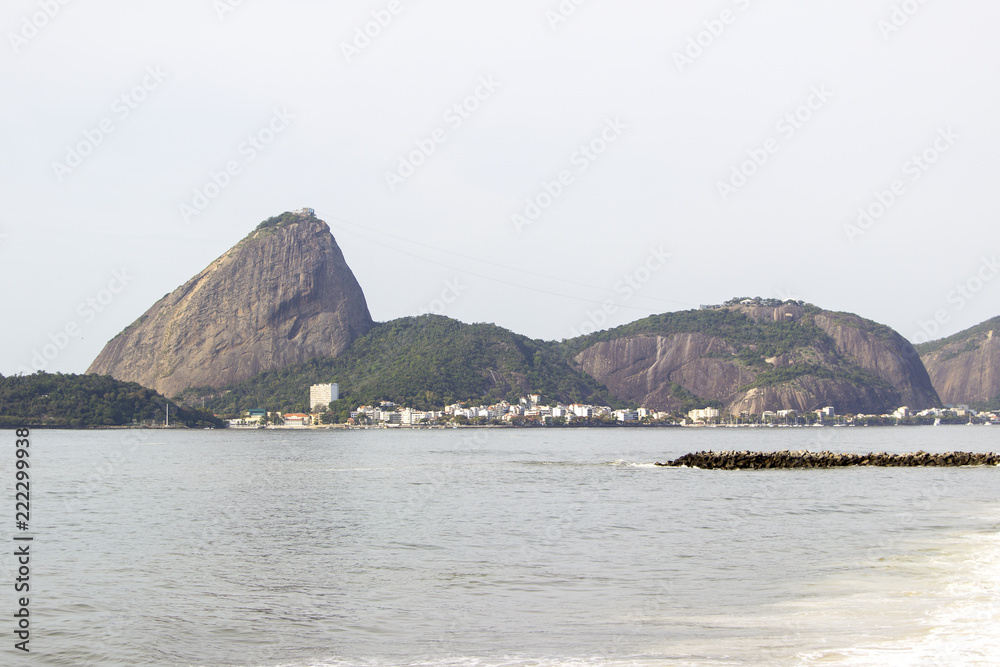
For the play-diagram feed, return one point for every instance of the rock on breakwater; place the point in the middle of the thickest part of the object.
(747, 460)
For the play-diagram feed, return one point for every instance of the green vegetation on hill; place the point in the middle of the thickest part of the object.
(78, 401)
(877, 330)
(691, 401)
(421, 362)
(992, 405)
(277, 221)
(780, 375)
(274, 223)
(754, 341)
(970, 336)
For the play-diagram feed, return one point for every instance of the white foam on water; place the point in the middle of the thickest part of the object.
(957, 615)
(631, 464)
(473, 661)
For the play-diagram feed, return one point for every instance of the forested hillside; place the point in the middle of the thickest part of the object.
(78, 401)
(421, 362)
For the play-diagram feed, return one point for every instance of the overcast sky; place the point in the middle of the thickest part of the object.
(550, 167)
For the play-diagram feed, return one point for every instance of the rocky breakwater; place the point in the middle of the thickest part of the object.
(747, 460)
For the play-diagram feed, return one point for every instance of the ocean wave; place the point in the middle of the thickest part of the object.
(961, 621)
(473, 661)
(586, 464)
(631, 464)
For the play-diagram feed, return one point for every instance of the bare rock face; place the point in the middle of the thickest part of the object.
(884, 353)
(645, 369)
(965, 368)
(841, 360)
(281, 296)
(789, 312)
(810, 393)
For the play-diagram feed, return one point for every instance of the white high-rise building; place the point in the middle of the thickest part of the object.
(320, 395)
(702, 415)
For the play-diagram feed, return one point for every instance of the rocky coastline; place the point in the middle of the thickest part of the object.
(747, 460)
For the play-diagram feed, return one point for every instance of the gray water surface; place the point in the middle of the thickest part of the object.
(506, 547)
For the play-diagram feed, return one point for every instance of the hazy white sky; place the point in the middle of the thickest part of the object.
(659, 155)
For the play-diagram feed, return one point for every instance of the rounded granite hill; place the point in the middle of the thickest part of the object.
(281, 296)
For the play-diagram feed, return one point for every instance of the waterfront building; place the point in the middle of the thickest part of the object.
(321, 395)
(704, 414)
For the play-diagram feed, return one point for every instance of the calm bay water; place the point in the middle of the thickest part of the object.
(494, 547)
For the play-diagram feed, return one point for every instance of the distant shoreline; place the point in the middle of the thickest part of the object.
(397, 427)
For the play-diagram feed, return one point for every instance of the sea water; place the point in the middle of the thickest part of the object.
(505, 547)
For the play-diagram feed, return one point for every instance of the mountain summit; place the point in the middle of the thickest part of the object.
(281, 296)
